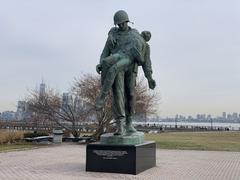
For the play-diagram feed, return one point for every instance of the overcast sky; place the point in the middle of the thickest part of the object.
(195, 48)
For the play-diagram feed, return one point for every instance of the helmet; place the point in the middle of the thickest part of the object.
(120, 17)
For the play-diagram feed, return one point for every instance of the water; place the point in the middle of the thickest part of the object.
(232, 126)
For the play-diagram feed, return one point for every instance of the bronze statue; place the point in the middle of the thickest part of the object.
(124, 51)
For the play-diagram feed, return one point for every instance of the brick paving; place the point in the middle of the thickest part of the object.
(67, 162)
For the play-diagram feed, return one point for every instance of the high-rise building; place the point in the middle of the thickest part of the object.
(8, 115)
(23, 111)
(66, 100)
(42, 89)
(78, 103)
(229, 117)
(224, 115)
(198, 117)
(20, 110)
(209, 117)
(177, 116)
(235, 116)
(203, 116)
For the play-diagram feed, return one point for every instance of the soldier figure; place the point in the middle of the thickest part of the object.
(124, 50)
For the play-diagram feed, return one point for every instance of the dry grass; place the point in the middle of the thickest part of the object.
(9, 137)
(11, 140)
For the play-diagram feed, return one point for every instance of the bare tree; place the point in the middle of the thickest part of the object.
(51, 108)
(146, 100)
(88, 87)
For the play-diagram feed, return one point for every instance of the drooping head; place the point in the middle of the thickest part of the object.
(146, 35)
(121, 19)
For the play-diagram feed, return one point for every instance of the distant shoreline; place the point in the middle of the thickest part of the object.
(205, 124)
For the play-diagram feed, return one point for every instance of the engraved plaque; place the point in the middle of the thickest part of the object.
(130, 159)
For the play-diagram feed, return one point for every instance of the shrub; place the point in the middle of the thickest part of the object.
(3, 138)
(8, 136)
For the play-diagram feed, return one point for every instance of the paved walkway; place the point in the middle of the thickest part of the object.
(67, 162)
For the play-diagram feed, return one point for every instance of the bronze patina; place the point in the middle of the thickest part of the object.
(124, 51)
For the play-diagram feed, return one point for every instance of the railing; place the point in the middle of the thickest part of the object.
(162, 128)
(32, 126)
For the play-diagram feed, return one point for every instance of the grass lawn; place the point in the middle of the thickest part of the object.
(13, 147)
(220, 141)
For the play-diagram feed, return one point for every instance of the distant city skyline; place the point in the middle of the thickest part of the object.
(23, 112)
(194, 49)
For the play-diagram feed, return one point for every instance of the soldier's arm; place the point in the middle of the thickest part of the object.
(147, 65)
(147, 69)
(105, 52)
(111, 41)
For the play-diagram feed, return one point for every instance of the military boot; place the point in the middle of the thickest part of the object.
(120, 127)
(100, 101)
(129, 127)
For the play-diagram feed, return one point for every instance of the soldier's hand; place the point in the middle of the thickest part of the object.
(99, 68)
(151, 83)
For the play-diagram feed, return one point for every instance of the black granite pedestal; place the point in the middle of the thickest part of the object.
(127, 159)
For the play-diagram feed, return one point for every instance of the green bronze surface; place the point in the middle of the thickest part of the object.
(124, 50)
(134, 138)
